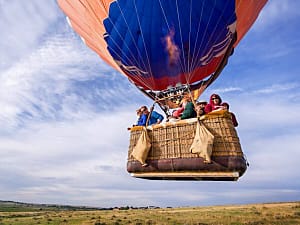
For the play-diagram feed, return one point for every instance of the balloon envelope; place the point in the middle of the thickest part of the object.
(162, 43)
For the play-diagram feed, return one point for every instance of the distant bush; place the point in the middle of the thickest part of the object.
(99, 223)
(297, 214)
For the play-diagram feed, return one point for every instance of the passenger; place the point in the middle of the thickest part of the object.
(155, 117)
(178, 112)
(234, 120)
(200, 106)
(189, 110)
(214, 104)
(139, 117)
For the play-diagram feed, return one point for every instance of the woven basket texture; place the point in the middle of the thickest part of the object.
(173, 140)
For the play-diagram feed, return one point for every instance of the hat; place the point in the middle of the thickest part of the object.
(202, 101)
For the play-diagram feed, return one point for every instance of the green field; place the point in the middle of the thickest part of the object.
(254, 214)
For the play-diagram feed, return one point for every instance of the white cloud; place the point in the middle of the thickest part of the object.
(64, 115)
(226, 90)
(278, 88)
(22, 26)
(68, 154)
(87, 158)
(50, 83)
(276, 11)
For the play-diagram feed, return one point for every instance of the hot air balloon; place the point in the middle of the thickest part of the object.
(170, 49)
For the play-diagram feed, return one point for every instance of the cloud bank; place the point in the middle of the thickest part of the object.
(64, 116)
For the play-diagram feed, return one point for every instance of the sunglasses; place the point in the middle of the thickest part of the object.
(214, 98)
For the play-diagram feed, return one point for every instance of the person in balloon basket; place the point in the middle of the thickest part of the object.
(200, 106)
(176, 114)
(139, 116)
(214, 104)
(155, 117)
(189, 109)
(233, 117)
(185, 111)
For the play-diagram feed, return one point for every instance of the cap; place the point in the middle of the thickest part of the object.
(202, 101)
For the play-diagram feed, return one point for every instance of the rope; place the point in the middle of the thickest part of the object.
(211, 35)
(202, 40)
(191, 59)
(142, 35)
(180, 32)
(149, 115)
(199, 25)
(101, 4)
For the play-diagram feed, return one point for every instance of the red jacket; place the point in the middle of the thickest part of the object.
(234, 120)
(211, 105)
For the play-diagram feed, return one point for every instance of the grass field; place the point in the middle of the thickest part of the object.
(254, 214)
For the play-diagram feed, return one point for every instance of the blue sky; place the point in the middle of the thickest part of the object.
(64, 115)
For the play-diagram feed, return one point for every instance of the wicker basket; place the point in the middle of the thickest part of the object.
(173, 140)
(170, 159)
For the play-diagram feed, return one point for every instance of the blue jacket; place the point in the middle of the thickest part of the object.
(142, 120)
(153, 119)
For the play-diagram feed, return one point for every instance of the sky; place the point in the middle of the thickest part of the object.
(64, 115)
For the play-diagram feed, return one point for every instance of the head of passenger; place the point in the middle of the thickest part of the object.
(184, 101)
(225, 105)
(215, 99)
(144, 110)
(201, 104)
(138, 112)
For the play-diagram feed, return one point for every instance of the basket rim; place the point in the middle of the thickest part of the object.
(211, 115)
